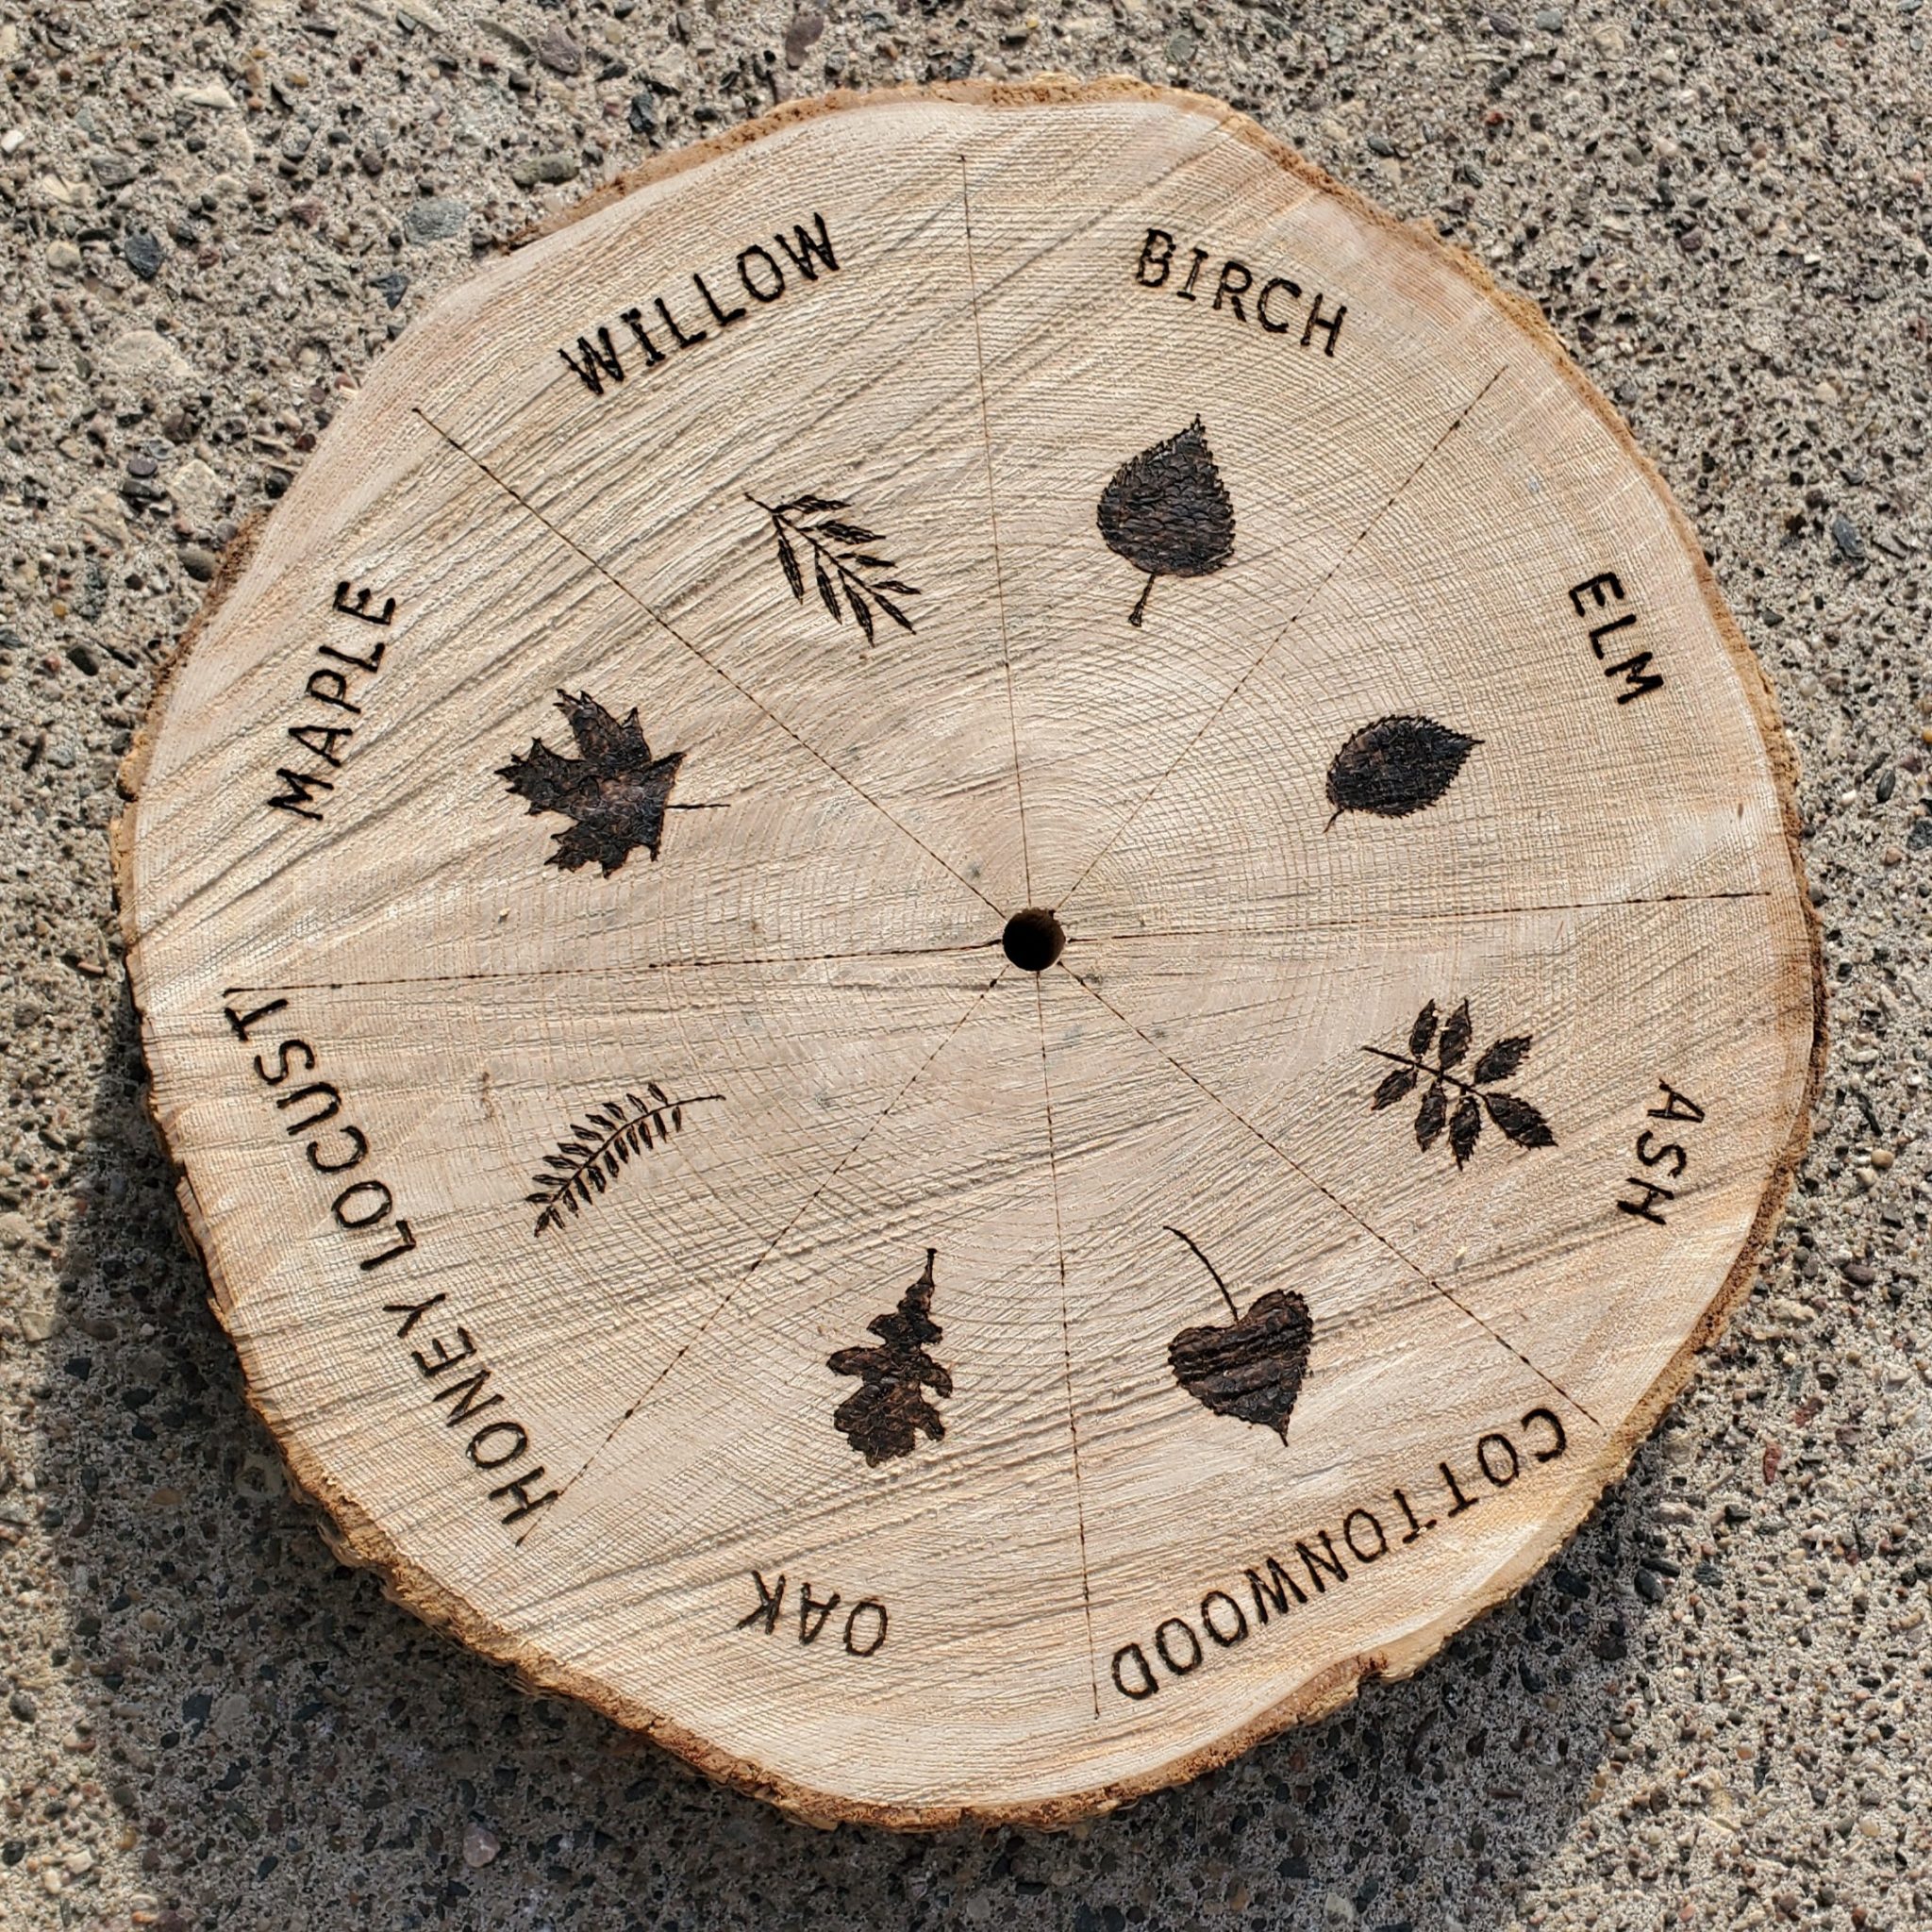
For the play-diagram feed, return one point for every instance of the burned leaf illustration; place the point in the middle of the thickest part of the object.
(1167, 513)
(615, 791)
(1251, 1368)
(846, 571)
(1396, 766)
(600, 1145)
(885, 1415)
(1515, 1117)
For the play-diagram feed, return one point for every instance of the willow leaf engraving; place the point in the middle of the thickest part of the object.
(1476, 1097)
(847, 571)
(601, 1145)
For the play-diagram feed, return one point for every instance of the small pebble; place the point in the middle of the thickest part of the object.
(480, 1846)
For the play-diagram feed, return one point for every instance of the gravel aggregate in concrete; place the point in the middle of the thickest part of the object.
(1711, 1709)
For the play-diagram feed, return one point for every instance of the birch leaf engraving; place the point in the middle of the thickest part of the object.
(1167, 513)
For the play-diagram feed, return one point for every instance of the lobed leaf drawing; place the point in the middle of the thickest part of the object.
(885, 1416)
(1515, 1117)
(847, 571)
(601, 1145)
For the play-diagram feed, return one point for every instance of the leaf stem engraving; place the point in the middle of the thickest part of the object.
(842, 559)
(600, 1145)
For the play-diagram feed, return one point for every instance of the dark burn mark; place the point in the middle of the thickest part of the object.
(1253, 1368)
(616, 791)
(884, 1417)
(1517, 1120)
(1396, 766)
(1167, 513)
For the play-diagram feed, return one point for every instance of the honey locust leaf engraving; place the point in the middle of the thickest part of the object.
(1396, 766)
(1167, 513)
(1515, 1117)
(1252, 1367)
(601, 1145)
(847, 571)
(614, 790)
(885, 1415)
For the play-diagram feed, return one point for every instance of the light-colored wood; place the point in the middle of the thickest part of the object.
(1424, 514)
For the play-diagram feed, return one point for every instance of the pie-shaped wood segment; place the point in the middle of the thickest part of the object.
(973, 951)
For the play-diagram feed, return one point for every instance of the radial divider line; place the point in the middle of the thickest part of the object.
(553, 973)
(765, 1253)
(993, 514)
(1273, 643)
(710, 664)
(1059, 1243)
(1424, 915)
(1334, 1199)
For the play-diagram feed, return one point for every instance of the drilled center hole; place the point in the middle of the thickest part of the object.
(1033, 939)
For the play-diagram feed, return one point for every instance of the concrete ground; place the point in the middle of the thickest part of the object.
(1711, 1711)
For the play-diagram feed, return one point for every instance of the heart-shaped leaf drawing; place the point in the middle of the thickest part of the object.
(1167, 513)
(1396, 766)
(1251, 1368)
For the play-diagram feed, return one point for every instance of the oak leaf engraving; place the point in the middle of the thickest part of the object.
(1396, 766)
(884, 1417)
(1516, 1119)
(614, 790)
(1167, 513)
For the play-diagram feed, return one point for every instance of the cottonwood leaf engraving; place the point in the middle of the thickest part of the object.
(1252, 1368)
(1167, 513)
(884, 1416)
(1513, 1116)
(616, 793)
(844, 559)
(1396, 766)
(601, 1145)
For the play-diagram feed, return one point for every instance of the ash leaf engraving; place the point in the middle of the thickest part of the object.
(884, 1417)
(1396, 766)
(601, 1144)
(1167, 513)
(615, 791)
(1517, 1120)
(846, 571)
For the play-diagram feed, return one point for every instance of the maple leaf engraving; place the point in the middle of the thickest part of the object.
(885, 1415)
(616, 793)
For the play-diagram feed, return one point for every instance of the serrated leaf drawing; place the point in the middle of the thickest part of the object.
(1396, 766)
(602, 1142)
(847, 571)
(1516, 1119)
(614, 790)
(1167, 513)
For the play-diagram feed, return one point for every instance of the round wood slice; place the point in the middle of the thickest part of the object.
(974, 951)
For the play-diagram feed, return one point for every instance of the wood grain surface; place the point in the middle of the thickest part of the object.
(973, 951)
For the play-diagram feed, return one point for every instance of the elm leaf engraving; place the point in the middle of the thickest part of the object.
(1518, 1121)
(1167, 513)
(1396, 766)
(602, 1142)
